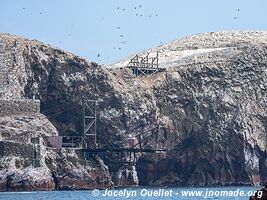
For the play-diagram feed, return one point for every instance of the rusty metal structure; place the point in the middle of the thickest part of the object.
(117, 157)
(141, 140)
(114, 155)
(145, 65)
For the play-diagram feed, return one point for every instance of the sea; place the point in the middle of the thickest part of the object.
(142, 193)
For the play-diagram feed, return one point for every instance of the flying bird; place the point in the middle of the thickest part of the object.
(124, 42)
(121, 35)
(98, 55)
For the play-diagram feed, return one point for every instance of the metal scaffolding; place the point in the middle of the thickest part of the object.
(89, 124)
(145, 65)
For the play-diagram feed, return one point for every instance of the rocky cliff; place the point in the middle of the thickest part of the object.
(28, 70)
(210, 105)
(212, 98)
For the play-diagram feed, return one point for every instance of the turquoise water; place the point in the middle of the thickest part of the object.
(218, 193)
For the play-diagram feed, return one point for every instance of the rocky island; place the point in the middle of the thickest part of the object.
(208, 104)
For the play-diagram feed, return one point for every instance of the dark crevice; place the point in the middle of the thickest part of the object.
(55, 180)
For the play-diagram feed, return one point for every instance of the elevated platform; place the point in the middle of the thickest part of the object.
(145, 65)
(117, 158)
(127, 150)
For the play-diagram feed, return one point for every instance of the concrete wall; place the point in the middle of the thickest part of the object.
(18, 106)
(29, 152)
(8, 148)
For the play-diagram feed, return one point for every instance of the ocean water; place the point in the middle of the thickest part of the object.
(218, 193)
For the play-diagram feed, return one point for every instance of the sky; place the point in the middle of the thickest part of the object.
(105, 31)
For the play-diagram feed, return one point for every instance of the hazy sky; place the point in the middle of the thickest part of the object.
(108, 30)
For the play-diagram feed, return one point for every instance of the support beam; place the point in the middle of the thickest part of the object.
(89, 124)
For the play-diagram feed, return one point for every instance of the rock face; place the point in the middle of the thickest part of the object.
(22, 76)
(212, 98)
(52, 168)
(210, 104)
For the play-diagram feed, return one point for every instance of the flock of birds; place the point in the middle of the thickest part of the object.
(136, 8)
(137, 14)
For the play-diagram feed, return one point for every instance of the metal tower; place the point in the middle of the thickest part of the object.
(89, 124)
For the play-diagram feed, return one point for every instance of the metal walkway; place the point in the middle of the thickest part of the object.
(126, 150)
(116, 157)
